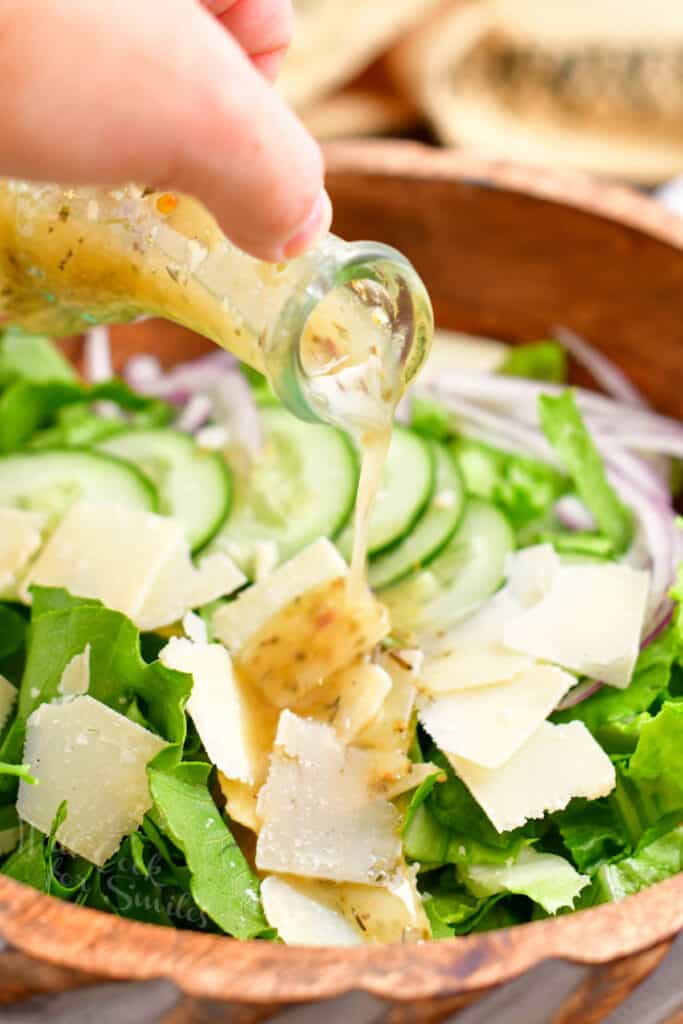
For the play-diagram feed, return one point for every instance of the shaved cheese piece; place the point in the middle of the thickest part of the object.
(8, 696)
(454, 670)
(194, 628)
(590, 621)
(20, 538)
(414, 777)
(240, 801)
(237, 623)
(349, 699)
(304, 915)
(179, 585)
(480, 631)
(487, 724)
(287, 637)
(83, 752)
(557, 763)
(531, 572)
(385, 770)
(391, 729)
(76, 675)
(546, 878)
(133, 561)
(320, 818)
(266, 557)
(311, 639)
(392, 912)
(234, 723)
(110, 552)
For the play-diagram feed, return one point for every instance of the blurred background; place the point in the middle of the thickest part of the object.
(594, 85)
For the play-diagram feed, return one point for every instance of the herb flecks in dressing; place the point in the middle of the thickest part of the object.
(70, 258)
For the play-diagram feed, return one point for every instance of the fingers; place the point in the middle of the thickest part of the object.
(263, 28)
(160, 94)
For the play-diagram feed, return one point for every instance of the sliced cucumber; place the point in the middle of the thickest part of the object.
(406, 489)
(303, 487)
(50, 481)
(195, 487)
(432, 531)
(468, 570)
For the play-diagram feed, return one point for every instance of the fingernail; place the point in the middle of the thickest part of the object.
(314, 227)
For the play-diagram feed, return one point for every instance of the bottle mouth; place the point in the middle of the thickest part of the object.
(345, 348)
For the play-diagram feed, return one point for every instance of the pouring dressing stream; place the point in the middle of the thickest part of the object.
(339, 332)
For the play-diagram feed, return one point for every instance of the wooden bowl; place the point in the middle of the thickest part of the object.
(508, 252)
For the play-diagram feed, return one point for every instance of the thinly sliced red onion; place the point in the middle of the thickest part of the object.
(637, 482)
(404, 410)
(142, 372)
(659, 625)
(582, 691)
(97, 365)
(573, 514)
(655, 520)
(184, 379)
(233, 407)
(604, 372)
(517, 397)
(211, 387)
(522, 436)
(655, 443)
(195, 415)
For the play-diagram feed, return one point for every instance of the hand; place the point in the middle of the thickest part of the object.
(174, 94)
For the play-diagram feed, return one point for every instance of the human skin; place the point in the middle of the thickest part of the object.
(172, 94)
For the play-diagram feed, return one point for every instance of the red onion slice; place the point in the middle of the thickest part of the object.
(582, 691)
(97, 365)
(606, 374)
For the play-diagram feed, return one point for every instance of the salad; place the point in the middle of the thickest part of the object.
(207, 723)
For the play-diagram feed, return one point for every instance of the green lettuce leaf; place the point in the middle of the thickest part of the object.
(31, 357)
(27, 863)
(593, 833)
(654, 863)
(565, 430)
(610, 705)
(222, 883)
(538, 360)
(656, 766)
(430, 418)
(445, 825)
(545, 878)
(12, 630)
(523, 488)
(26, 406)
(118, 674)
(451, 908)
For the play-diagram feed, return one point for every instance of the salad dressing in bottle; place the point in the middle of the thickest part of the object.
(339, 332)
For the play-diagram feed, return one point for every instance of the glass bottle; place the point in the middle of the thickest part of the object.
(339, 332)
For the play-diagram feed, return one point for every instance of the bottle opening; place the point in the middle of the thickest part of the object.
(362, 333)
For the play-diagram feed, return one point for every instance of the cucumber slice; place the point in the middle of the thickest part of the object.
(303, 487)
(431, 532)
(195, 487)
(469, 569)
(50, 481)
(406, 489)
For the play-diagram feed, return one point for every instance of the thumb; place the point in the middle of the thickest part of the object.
(160, 94)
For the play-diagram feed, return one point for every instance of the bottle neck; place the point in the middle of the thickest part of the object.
(354, 335)
(339, 331)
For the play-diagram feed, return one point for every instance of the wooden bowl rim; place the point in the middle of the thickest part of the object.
(216, 967)
(563, 187)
